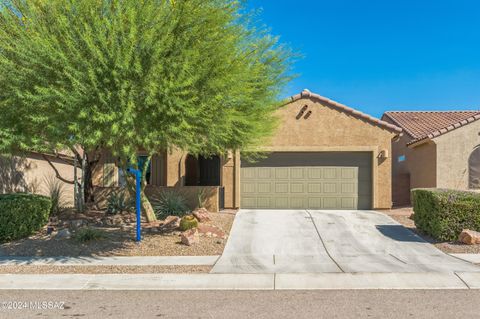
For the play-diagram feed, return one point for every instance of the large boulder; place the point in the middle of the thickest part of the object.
(469, 237)
(201, 214)
(63, 234)
(190, 237)
(211, 231)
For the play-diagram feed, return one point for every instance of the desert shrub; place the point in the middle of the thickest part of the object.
(89, 234)
(55, 189)
(118, 202)
(22, 214)
(188, 222)
(443, 213)
(170, 203)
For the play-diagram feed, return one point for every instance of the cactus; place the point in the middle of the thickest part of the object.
(188, 222)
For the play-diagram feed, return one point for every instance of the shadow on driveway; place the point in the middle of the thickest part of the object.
(399, 233)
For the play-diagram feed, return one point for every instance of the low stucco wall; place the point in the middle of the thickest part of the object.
(190, 193)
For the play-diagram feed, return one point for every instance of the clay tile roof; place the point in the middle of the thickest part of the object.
(420, 125)
(343, 108)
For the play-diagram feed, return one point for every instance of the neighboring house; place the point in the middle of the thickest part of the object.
(437, 149)
(324, 155)
(32, 173)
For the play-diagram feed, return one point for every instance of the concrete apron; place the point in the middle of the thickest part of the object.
(324, 281)
(300, 241)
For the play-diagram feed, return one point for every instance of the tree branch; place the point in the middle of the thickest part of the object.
(57, 173)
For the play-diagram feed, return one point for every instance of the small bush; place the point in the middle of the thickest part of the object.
(188, 222)
(443, 214)
(56, 191)
(21, 215)
(117, 202)
(170, 203)
(84, 235)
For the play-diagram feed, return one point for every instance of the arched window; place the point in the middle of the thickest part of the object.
(474, 169)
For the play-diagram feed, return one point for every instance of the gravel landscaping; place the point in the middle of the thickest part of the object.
(102, 269)
(402, 215)
(119, 241)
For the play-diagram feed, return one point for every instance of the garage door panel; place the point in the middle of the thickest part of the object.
(249, 187)
(314, 173)
(264, 187)
(314, 202)
(330, 188)
(264, 173)
(281, 187)
(297, 173)
(349, 188)
(319, 181)
(297, 202)
(281, 202)
(297, 188)
(248, 173)
(348, 203)
(314, 188)
(281, 173)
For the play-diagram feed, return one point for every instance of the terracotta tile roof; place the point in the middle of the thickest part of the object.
(343, 108)
(420, 125)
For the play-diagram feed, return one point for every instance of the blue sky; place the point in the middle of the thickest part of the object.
(382, 55)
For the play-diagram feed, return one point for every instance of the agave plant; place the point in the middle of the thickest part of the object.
(170, 203)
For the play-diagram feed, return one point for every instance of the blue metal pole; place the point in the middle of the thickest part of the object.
(138, 198)
(138, 204)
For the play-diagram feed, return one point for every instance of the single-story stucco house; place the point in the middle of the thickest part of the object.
(437, 149)
(324, 155)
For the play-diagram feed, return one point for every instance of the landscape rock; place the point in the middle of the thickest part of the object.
(469, 237)
(201, 214)
(211, 231)
(77, 223)
(190, 237)
(63, 234)
(170, 223)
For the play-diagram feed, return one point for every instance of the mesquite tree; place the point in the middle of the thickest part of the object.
(125, 75)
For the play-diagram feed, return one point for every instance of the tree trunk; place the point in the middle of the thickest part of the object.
(147, 208)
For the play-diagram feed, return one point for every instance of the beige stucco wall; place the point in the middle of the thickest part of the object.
(422, 164)
(328, 129)
(453, 150)
(32, 173)
(419, 170)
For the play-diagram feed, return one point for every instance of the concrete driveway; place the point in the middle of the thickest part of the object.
(301, 241)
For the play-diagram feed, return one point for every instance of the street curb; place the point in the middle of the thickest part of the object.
(110, 261)
(320, 281)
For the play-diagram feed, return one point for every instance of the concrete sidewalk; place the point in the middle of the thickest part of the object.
(460, 280)
(111, 261)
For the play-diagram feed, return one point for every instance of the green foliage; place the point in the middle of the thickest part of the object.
(188, 222)
(169, 203)
(22, 214)
(443, 213)
(198, 75)
(84, 235)
(117, 202)
(56, 191)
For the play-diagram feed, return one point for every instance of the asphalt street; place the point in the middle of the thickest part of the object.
(250, 304)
